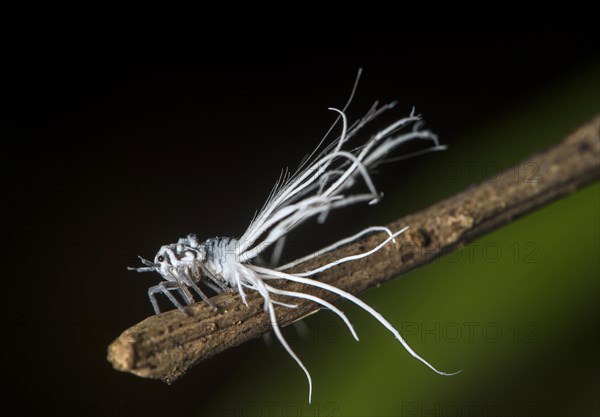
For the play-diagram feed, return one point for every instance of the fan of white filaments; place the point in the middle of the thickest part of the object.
(317, 187)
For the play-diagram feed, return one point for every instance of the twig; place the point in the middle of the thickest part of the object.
(167, 345)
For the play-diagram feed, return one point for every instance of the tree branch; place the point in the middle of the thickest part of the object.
(167, 345)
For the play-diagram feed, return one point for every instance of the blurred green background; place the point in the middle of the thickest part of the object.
(516, 310)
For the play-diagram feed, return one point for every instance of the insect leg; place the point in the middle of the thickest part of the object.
(187, 295)
(278, 250)
(201, 294)
(151, 296)
(217, 288)
(187, 280)
(164, 288)
(212, 279)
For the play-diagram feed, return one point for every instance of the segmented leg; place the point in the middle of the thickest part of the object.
(217, 280)
(192, 284)
(164, 288)
(187, 295)
(217, 288)
(277, 251)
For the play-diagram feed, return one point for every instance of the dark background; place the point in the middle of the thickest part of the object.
(125, 131)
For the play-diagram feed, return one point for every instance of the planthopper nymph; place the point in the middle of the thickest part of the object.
(323, 182)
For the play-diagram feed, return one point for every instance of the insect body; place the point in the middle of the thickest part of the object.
(185, 263)
(321, 184)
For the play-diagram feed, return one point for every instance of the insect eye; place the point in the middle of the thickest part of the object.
(160, 258)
